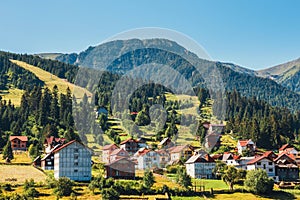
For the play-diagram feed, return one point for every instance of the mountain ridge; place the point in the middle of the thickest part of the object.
(246, 81)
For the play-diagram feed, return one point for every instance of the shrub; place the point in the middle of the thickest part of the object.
(31, 192)
(64, 187)
(258, 182)
(7, 187)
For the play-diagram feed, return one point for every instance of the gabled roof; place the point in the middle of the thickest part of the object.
(164, 140)
(117, 151)
(283, 147)
(109, 146)
(244, 143)
(266, 155)
(180, 148)
(22, 138)
(199, 158)
(128, 140)
(67, 144)
(283, 154)
(227, 156)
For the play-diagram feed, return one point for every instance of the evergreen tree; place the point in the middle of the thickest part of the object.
(7, 151)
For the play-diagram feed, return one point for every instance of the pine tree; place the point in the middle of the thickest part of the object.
(7, 151)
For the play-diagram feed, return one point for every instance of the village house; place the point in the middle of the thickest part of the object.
(200, 165)
(47, 162)
(107, 150)
(117, 154)
(243, 161)
(243, 145)
(73, 160)
(51, 142)
(230, 159)
(286, 167)
(264, 162)
(130, 145)
(147, 159)
(164, 157)
(120, 168)
(166, 143)
(180, 152)
(216, 128)
(18, 142)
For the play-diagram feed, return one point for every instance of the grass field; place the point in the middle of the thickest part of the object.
(50, 80)
(21, 157)
(13, 94)
(21, 173)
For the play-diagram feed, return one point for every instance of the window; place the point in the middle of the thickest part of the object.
(75, 163)
(270, 163)
(264, 166)
(75, 150)
(270, 170)
(75, 170)
(258, 163)
(75, 156)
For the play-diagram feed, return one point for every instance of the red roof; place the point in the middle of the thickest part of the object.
(67, 144)
(22, 138)
(284, 147)
(128, 140)
(109, 146)
(243, 142)
(268, 155)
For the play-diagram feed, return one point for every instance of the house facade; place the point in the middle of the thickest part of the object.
(264, 162)
(117, 154)
(286, 168)
(18, 142)
(130, 145)
(164, 158)
(200, 166)
(178, 152)
(121, 168)
(107, 150)
(148, 159)
(243, 145)
(73, 160)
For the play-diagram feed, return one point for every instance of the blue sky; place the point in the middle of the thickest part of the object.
(255, 34)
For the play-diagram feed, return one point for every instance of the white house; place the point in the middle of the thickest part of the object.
(183, 151)
(245, 144)
(73, 160)
(230, 159)
(243, 161)
(200, 166)
(264, 162)
(106, 151)
(147, 159)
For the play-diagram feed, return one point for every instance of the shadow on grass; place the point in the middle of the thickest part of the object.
(280, 195)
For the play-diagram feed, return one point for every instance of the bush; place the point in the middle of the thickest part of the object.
(258, 182)
(31, 192)
(7, 187)
(64, 187)
(110, 194)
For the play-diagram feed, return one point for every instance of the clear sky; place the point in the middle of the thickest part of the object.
(255, 34)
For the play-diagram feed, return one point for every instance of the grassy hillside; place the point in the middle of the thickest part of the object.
(12, 94)
(50, 80)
